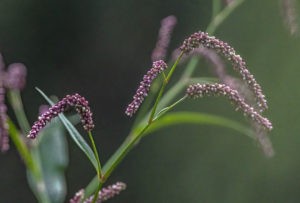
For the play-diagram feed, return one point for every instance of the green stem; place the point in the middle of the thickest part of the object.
(121, 152)
(218, 19)
(168, 108)
(22, 148)
(17, 105)
(163, 87)
(216, 7)
(99, 172)
(97, 192)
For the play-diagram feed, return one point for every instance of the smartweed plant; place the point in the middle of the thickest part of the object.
(150, 107)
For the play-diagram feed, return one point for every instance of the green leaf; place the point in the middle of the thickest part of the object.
(75, 135)
(172, 119)
(51, 153)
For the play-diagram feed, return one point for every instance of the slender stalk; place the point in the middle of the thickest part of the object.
(96, 195)
(216, 7)
(215, 23)
(99, 172)
(17, 105)
(168, 108)
(121, 152)
(163, 87)
(22, 148)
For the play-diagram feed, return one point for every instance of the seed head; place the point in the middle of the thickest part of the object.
(201, 90)
(202, 38)
(144, 87)
(77, 101)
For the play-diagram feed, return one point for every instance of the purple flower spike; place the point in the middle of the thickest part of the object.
(202, 38)
(201, 90)
(77, 197)
(4, 141)
(77, 101)
(108, 192)
(144, 87)
(16, 76)
(164, 35)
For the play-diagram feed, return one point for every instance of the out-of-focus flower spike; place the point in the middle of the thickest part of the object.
(290, 15)
(144, 87)
(16, 76)
(108, 192)
(4, 140)
(201, 90)
(77, 101)
(202, 38)
(263, 140)
(164, 36)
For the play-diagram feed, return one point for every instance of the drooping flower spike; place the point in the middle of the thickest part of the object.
(202, 38)
(77, 101)
(105, 194)
(201, 90)
(144, 87)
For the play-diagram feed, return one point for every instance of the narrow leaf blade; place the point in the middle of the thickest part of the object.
(177, 118)
(75, 135)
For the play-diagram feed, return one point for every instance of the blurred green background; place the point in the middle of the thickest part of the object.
(101, 49)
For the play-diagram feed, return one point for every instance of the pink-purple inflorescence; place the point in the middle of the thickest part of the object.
(202, 38)
(105, 194)
(16, 76)
(78, 197)
(77, 101)
(164, 35)
(4, 141)
(144, 87)
(201, 90)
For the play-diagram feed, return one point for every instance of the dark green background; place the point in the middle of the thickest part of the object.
(101, 49)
